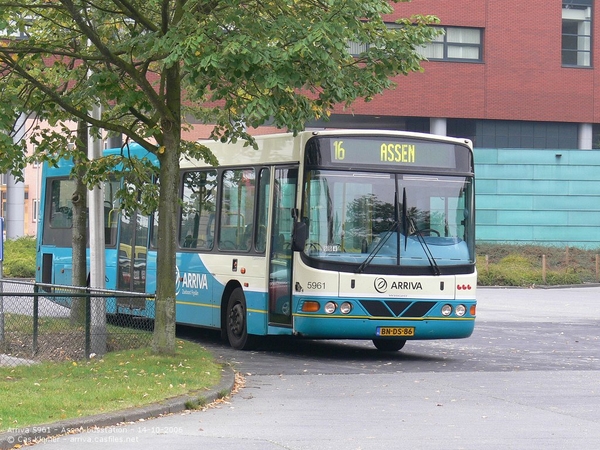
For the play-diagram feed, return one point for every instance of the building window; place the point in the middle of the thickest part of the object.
(356, 49)
(35, 205)
(577, 33)
(453, 44)
(596, 136)
(524, 134)
(456, 44)
(16, 29)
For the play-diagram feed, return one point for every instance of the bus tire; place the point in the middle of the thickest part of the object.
(236, 321)
(389, 345)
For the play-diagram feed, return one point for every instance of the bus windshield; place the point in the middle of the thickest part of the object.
(389, 219)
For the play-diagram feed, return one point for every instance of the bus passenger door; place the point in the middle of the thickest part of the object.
(132, 250)
(280, 263)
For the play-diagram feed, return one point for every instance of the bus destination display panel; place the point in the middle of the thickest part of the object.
(390, 152)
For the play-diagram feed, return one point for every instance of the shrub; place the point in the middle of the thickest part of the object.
(19, 258)
(522, 265)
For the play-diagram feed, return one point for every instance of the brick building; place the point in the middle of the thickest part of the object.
(505, 74)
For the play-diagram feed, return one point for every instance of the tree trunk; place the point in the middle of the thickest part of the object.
(79, 199)
(168, 154)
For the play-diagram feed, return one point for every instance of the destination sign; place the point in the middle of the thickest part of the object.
(397, 152)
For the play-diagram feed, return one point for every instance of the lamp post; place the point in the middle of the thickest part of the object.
(97, 244)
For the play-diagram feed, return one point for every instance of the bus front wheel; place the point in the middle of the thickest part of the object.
(237, 321)
(389, 345)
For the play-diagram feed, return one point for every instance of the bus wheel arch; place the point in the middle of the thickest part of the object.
(234, 318)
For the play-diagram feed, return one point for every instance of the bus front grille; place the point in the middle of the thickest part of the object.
(391, 308)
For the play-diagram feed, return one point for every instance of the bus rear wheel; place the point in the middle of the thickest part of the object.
(389, 345)
(236, 321)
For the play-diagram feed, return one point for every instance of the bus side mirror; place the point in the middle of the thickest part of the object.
(299, 236)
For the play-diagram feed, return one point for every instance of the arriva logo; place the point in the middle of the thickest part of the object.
(188, 281)
(177, 280)
(381, 285)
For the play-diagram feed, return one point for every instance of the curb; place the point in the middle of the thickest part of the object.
(30, 434)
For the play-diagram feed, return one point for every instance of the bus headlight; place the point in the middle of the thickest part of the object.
(330, 307)
(446, 310)
(461, 310)
(346, 308)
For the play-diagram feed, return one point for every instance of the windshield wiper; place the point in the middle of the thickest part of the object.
(434, 266)
(378, 246)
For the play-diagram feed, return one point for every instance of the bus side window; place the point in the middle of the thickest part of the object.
(110, 225)
(196, 220)
(263, 200)
(111, 211)
(63, 218)
(237, 208)
(61, 212)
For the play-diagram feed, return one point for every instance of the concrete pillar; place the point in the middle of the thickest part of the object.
(437, 125)
(585, 136)
(15, 208)
(15, 192)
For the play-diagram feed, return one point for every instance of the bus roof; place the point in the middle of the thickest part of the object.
(281, 147)
(133, 150)
(285, 148)
(272, 148)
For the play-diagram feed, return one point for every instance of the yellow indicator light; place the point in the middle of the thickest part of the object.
(473, 310)
(310, 306)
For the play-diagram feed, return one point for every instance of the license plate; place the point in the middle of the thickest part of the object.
(395, 331)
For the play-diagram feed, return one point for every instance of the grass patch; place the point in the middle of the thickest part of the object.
(523, 265)
(48, 392)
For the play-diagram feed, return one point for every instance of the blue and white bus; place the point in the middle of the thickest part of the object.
(347, 234)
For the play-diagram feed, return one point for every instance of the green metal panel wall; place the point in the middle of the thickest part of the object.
(549, 197)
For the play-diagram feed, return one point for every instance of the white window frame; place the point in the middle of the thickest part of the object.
(463, 44)
(577, 14)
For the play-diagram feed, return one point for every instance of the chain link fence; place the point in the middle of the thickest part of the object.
(42, 322)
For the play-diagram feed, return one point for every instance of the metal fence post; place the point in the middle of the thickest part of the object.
(36, 305)
(88, 322)
(1, 306)
(1, 282)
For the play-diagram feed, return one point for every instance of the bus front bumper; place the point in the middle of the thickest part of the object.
(337, 327)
